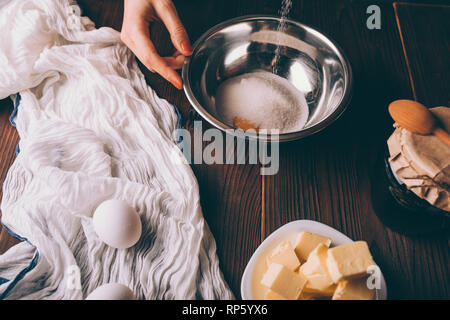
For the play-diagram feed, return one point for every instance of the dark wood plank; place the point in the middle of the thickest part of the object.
(104, 13)
(230, 194)
(328, 177)
(425, 33)
(231, 200)
(8, 141)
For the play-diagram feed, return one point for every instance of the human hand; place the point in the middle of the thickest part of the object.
(138, 14)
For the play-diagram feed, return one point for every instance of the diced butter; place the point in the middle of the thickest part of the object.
(285, 255)
(325, 292)
(349, 261)
(270, 295)
(283, 281)
(353, 290)
(315, 271)
(307, 242)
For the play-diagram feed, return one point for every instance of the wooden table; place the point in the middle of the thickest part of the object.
(327, 177)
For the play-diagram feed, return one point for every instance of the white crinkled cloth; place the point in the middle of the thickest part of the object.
(92, 130)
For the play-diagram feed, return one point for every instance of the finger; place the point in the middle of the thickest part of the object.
(144, 49)
(169, 16)
(175, 62)
(177, 53)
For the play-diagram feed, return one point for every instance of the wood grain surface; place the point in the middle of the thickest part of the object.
(8, 141)
(328, 177)
(425, 34)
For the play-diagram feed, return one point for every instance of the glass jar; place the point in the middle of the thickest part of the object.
(399, 208)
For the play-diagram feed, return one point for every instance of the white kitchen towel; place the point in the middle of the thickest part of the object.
(91, 130)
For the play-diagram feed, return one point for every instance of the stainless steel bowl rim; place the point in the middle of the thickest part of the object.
(290, 136)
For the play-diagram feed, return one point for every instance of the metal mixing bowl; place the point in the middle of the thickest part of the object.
(308, 59)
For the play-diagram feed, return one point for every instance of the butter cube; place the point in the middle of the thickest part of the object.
(270, 295)
(283, 281)
(349, 261)
(285, 255)
(326, 292)
(353, 290)
(307, 242)
(315, 271)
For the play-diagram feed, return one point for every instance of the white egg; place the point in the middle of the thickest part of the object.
(111, 291)
(117, 224)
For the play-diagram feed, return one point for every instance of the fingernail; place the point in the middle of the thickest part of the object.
(186, 46)
(177, 84)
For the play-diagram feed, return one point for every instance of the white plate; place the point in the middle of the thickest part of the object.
(257, 264)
